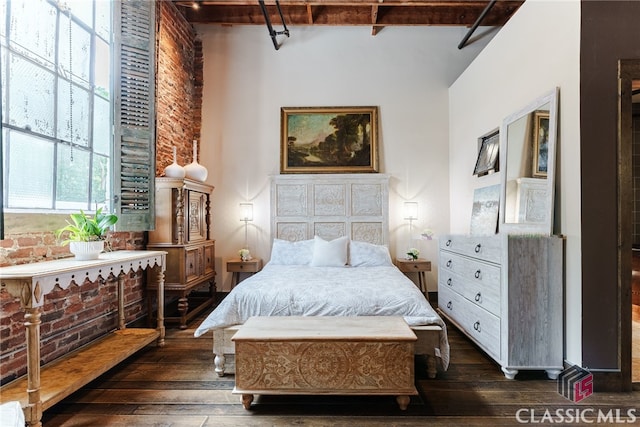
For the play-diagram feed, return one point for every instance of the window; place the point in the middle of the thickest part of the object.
(56, 103)
(78, 110)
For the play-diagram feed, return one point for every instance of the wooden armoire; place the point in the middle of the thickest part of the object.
(183, 218)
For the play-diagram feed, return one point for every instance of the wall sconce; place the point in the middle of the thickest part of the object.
(246, 215)
(410, 214)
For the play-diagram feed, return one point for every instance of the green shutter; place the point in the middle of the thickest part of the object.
(134, 148)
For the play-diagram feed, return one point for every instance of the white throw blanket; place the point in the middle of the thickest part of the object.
(294, 290)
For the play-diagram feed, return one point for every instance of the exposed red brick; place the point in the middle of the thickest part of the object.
(7, 243)
(178, 101)
(21, 253)
(28, 241)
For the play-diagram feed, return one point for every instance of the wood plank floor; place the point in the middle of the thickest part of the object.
(176, 386)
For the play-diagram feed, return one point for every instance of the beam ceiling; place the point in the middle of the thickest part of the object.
(377, 14)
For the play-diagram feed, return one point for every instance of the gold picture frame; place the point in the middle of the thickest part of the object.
(328, 139)
(540, 139)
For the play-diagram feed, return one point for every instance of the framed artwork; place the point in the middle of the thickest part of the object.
(488, 154)
(484, 214)
(540, 139)
(328, 139)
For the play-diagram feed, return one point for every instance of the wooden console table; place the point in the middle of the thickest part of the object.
(60, 378)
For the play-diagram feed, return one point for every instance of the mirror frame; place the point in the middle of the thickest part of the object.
(545, 228)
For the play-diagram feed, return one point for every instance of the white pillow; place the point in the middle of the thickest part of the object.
(329, 254)
(363, 254)
(284, 252)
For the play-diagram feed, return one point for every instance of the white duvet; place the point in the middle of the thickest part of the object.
(295, 290)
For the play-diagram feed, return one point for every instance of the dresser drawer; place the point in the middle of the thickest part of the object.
(487, 248)
(476, 322)
(484, 294)
(452, 305)
(470, 269)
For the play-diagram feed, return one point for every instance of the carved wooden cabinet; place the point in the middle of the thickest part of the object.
(505, 292)
(183, 218)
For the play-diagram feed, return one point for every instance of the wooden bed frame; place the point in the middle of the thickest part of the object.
(331, 206)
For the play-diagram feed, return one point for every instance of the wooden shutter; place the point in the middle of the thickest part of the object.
(134, 114)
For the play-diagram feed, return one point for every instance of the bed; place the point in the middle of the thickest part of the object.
(329, 257)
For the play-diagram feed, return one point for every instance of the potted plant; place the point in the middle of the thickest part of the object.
(86, 233)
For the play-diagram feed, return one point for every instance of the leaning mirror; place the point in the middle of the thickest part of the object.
(527, 151)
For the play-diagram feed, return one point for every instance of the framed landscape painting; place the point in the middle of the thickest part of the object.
(329, 139)
(540, 143)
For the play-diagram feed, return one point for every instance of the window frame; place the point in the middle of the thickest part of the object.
(132, 154)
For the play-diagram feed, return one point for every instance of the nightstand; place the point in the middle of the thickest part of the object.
(419, 266)
(237, 266)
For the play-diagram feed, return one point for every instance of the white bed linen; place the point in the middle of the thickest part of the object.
(296, 290)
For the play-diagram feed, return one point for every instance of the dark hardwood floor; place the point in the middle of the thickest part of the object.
(176, 386)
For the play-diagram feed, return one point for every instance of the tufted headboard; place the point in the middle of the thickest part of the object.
(330, 206)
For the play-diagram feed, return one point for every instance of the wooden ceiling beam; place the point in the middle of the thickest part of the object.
(286, 3)
(374, 20)
(309, 15)
(353, 12)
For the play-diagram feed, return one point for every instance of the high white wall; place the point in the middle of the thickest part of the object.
(405, 71)
(537, 50)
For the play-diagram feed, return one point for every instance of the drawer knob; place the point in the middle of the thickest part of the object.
(477, 248)
(478, 297)
(449, 263)
(448, 243)
(449, 281)
(449, 305)
(477, 274)
(476, 326)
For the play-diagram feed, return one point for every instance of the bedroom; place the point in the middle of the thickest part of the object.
(437, 172)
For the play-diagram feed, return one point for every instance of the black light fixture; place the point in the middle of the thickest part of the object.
(273, 33)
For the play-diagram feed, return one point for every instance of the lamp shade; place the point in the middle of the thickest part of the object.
(246, 211)
(410, 210)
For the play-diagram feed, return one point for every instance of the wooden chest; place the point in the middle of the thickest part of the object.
(325, 355)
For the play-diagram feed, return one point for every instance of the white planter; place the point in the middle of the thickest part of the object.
(86, 250)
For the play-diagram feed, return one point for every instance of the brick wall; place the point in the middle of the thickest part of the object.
(25, 248)
(83, 312)
(179, 93)
(71, 317)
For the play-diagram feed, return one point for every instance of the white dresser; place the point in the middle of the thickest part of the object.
(505, 292)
